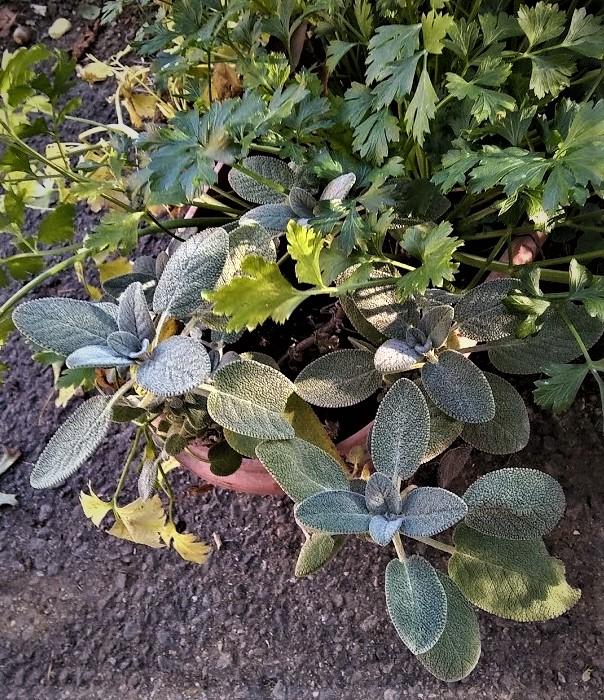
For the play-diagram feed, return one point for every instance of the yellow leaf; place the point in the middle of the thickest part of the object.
(186, 544)
(95, 72)
(114, 268)
(170, 464)
(140, 521)
(169, 329)
(93, 506)
(140, 106)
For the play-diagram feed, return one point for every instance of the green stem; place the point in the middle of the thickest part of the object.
(477, 261)
(590, 255)
(167, 489)
(129, 459)
(436, 544)
(492, 255)
(260, 178)
(41, 253)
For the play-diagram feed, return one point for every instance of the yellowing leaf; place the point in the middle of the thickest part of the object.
(305, 246)
(169, 328)
(141, 522)
(140, 106)
(93, 506)
(185, 544)
(225, 82)
(114, 268)
(95, 72)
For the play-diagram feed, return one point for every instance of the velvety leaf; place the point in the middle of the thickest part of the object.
(63, 325)
(512, 579)
(96, 356)
(509, 430)
(444, 430)
(336, 512)
(318, 549)
(302, 202)
(360, 323)
(252, 190)
(381, 495)
(400, 433)
(341, 378)
(147, 479)
(72, 444)
(240, 401)
(243, 444)
(428, 510)
(176, 366)
(383, 527)
(224, 461)
(459, 388)
(126, 344)
(339, 187)
(300, 468)
(481, 314)
(133, 313)
(273, 217)
(436, 324)
(457, 650)
(193, 268)
(416, 603)
(515, 504)
(395, 356)
(554, 343)
(307, 426)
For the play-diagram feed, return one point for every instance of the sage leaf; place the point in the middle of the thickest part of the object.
(515, 580)
(399, 438)
(302, 202)
(176, 366)
(96, 356)
(428, 510)
(224, 461)
(339, 187)
(257, 192)
(133, 313)
(515, 504)
(240, 401)
(272, 217)
(300, 468)
(459, 388)
(457, 650)
(126, 344)
(72, 444)
(436, 324)
(63, 325)
(147, 479)
(416, 602)
(381, 495)
(509, 430)
(444, 430)
(336, 512)
(318, 549)
(481, 314)
(383, 527)
(395, 356)
(194, 268)
(341, 378)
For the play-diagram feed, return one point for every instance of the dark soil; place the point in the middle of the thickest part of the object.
(86, 616)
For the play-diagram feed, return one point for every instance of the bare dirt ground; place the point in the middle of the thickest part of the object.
(86, 616)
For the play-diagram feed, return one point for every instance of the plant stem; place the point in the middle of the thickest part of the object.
(398, 545)
(41, 253)
(167, 489)
(129, 459)
(436, 544)
(558, 276)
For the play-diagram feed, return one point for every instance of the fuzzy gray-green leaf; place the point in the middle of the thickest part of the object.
(416, 603)
(382, 496)
(341, 378)
(459, 388)
(257, 192)
(444, 430)
(339, 187)
(72, 444)
(96, 356)
(63, 325)
(429, 510)
(399, 438)
(336, 512)
(481, 314)
(516, 504)
(509, 430)
(395, 356)
(318, 549)
(133, 313)
(193, 268)
(272, 217)
(242, 402)
(302, 202)
(436, 324)
(457, 650)
(300, 468)
(176, 366)
(360, 323)
(553, 343)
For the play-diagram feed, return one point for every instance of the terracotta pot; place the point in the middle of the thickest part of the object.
(252, 477)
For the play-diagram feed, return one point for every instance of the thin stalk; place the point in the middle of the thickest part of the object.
(260, 178)
(492, 255)
(558, 276)
(398, 545)
(167, 489)
(41, 253)
(128, 463)
(436, 544)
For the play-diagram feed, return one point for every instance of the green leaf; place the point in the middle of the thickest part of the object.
(176, 366)
(416, 603)
(422, 108)
(341, 378)
(63, 325)
(387, 44)
(268, 169)
(397, 83)
(301, 469)
(551, 73)
(58, 226)
(240, 401)
(514, 580)
(372, 136)
(459, 388)
(541, 23)
(559, 390)
(457, 650)
(272, 217)
(491, 105)
(193, 268)
(585, 35)
(223, 459)
(336, 512)
(117, 230)
(336, 50)
(433, 246)
(509, 430)
(481, 314)
(305, 246)
(435, 27)
(264, 293)
(382, 497)
(514, 504)
(318, 549)
(554, 343)
(399, 437)
(444, 430)
(428, 510)
(72, 444)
